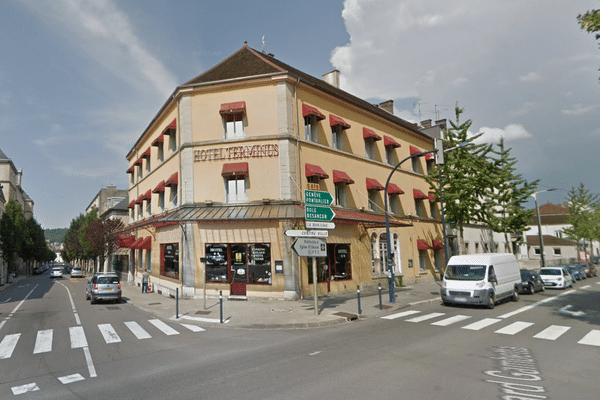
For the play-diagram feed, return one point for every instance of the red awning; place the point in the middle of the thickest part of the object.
(422, 244)
(147, 195)
(233, 108)
(131, 204)
(235, 169)
(173, 180)
(340, 176)
(372, 184)
(429, 157)
(388, 141)
(159, 140)
(437, 245)
(394, 189)
(146, 243)
(125, 241)
(130, 169)
(136, 244)
(314, 170)
(138, 161)
(369, 134)
(417, 194)
(431, 197)
(146, 154)
(414, 150)
(309, 110)
(171, 128)
(160, 187)
(335, 120)
(140, 200)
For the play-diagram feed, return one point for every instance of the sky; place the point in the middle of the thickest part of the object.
(80, 80)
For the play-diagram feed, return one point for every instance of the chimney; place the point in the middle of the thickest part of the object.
(426, 123)
(387, 106)
(19, 176)
(333, 78)
(441, 123)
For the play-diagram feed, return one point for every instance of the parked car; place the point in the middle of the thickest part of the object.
(38, 270)
(581, 268)
(590, 270)
(575, 272)
(531, 282)
(76, 272)
(556, 277)
(56, 272)
(103, 286)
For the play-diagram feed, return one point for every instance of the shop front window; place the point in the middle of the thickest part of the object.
(169, 260)
(335, 267)
(239, 263)
(216, 263)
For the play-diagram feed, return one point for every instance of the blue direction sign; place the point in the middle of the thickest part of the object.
(314, 213)
(318, 198)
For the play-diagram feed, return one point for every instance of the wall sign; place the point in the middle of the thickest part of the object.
(236, 152)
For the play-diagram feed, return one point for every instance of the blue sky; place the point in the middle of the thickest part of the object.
(81, 80)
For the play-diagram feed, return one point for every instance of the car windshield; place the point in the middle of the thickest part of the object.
(465, 272)
(550, 272)
(103, 280)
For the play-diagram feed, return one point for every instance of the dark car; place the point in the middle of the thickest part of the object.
(531, 282)
(575, 272)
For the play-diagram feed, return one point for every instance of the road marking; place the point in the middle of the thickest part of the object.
(314, 353)
(109, 334)
(527, 308)
(451, 320)
(166, 329)
(193, 328)
(514, 328)
(425, 317)
(552, 332)
(200, 319)
(17, 307)
(78, 340)
(585, 287)
(90, 363)
(592, 338)
(71, 378)
(475, 326)
(566, 310)
(401, 314)
(43, 341)
(8, 344)
(30, 387)
(137, 330)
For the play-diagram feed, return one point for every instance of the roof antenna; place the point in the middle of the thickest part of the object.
(263, 44)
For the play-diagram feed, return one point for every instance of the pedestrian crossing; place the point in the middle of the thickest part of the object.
(44, 339)
(552, 332)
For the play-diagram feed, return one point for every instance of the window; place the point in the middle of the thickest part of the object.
(335, 267)
(161, 201)
(340, 194)
(433, 210)
(236, 189)
(173, 194)
(556, 251)
(148, 207)
(216, 263)
(422, 261)
(310, 128)
(234, 125)
(394, 204)
(537, 251)
(420, 208)
(390, 155)
(149, 260)
(141, 260)
(161, 152)
(416, 165)
(169, 260)
(259, 263)
(173, 142)
(370, 148)
(238, 263)
(437, 260)
(337, 141)
(373, 199)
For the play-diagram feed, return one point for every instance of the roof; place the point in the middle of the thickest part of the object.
(553, 209)
(551, 214)
(549, 240)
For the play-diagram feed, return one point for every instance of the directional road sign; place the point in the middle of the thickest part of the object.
(310, 247)
(303, 233)
(320, 225)
(318, 198)
(314, 213)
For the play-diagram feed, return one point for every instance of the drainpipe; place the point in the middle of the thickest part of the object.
(298, 174)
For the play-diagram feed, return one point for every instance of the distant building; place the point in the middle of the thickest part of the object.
(106, 199)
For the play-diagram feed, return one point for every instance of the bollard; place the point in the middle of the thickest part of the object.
(221, 304)
(380, 303)
(177, 303)
(358, 297)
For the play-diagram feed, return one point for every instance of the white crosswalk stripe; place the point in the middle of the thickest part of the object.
(166, 329)
(552, 332)
(193, 328)
(451, 320)
(137, 330)
(401, 314)
(425, 317)
(8, 344)
(78, 339)
(43, 341)
(475, 326)
(109, 334)
(592, 338)
(514, 328)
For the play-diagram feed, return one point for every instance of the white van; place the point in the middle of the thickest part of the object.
(482, 278)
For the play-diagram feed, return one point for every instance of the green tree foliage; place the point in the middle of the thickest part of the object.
(101, 236)
(582, 205)
(87, 247)
(590, 22)
(73, 249)
(8, 241)
(508, 194)
(464, 176)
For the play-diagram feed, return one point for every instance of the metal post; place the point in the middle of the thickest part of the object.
(539, 221)
(221, 304)
(380, 303)
(177, 303)
(446, 255)
(314, 272)
(358, 297)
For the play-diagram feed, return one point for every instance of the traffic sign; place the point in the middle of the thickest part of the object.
(320, 225)
(303, 233)
(318, 198)
(310, 247)
(314, 213)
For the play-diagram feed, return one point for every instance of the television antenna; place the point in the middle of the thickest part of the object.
(437, 111)
(262, 42)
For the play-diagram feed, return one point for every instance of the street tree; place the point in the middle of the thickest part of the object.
(8, 241)
(581, 205)
(101, 235)
(73, 249)
(464, 177)
(590, 22)
(509, 192)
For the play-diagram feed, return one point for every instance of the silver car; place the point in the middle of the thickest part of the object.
(56, 272)
(103, 286)
(76, 272)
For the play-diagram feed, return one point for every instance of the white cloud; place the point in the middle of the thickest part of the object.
(530, 77)
(578, 109)
(510, 132)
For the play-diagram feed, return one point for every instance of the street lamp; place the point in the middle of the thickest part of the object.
(539, 221)
(440, 160)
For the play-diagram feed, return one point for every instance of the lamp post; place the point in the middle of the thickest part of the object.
(390, 264)
(539, 221)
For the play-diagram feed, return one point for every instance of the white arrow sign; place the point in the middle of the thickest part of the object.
(303, 233)
(320, 225)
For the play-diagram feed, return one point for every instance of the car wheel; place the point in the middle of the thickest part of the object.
(531, 288)
(92, 301)
(515, 296)
(491, 301)
(87, 296)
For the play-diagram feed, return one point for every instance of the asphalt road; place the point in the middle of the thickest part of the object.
(544, 346)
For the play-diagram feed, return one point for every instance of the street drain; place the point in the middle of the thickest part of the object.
(348, 316)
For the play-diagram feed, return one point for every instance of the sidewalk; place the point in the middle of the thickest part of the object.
(279, 314)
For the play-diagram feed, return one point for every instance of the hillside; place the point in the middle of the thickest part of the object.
(55, 235)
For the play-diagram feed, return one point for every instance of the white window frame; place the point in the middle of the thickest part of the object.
(416, 165)
(149, 260)
(161, 201)
(311, 133)
(373, 197)
(422, 261)
(340, 194)
(337, 140)
(173, 195)
(160, 154)
(370, 148)
(235, 129)
(235, 189)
